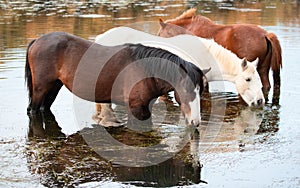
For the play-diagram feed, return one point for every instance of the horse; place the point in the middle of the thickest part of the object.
(245, 40)
(130, 74)
(224, 64)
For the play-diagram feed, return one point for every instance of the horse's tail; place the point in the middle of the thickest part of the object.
(276, 59)
(28, 75)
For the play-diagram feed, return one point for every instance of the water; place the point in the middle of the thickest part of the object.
(252, 147)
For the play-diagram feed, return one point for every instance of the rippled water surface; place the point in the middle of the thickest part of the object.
(251, 148)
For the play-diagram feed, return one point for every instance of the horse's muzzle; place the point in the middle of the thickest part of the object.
(258, 103)
(195, 123)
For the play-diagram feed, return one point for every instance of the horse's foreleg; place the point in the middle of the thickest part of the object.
(105, 114)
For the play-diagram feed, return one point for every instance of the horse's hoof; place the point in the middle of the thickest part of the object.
(106, 121)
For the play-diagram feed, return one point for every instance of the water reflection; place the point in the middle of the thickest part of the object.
(241, 125)
(69, 161)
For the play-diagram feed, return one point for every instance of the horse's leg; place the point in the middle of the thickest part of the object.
(29, 106)
(51, 95)
(276, 89)
(264, 76)
(36, 125)
(105, 114)
(52, 129)
(40, 90)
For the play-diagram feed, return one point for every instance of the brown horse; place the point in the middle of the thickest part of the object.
(129, 74)
(245, 40)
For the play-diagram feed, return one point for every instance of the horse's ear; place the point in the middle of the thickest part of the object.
(205, 71)
(255, 62)
(244, 64)
(162, 23)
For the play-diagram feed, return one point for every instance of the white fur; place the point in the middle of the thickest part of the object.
(195, 117)
(232, 70)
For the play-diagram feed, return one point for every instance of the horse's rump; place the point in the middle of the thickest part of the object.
(28, 76)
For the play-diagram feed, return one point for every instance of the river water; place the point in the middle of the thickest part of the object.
(252, 148)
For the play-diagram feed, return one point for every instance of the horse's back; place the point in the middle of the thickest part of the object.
(56, 42)
(52, 47)
(245, 40)
(55, 56)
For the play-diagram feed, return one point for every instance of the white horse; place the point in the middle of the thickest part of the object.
(204, 53)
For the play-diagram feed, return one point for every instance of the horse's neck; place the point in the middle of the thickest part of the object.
(228, 64)
(184, 23)
(204, 27)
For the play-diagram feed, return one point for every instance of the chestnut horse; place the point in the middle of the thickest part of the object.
(130, 74)
(245, 40)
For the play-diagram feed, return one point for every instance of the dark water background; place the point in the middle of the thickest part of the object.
(253, 148)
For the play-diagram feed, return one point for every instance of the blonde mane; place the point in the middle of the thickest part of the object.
(187, 14)
(191, 13)
(229, 62)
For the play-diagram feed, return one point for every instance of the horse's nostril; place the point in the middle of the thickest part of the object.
(195, 123)
(259, 102)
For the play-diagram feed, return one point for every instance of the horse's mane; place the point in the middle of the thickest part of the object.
(189, 14)
(224, 56)
(161, 64)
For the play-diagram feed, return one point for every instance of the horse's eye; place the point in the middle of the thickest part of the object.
(248, 79)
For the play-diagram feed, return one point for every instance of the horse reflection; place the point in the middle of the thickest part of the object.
(239, 124)
(71, 161)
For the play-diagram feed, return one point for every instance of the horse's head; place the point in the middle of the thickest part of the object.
(249, 85)
(187, 94)
(169, 30)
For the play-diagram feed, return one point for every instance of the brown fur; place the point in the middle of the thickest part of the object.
(245, 40)
(58, 59)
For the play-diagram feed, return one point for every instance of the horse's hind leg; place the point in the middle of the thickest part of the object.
(51, 95)
(276, 89)
(264, 76)
(276, 78)
(40, 90)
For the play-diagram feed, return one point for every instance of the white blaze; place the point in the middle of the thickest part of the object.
(195, 108)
